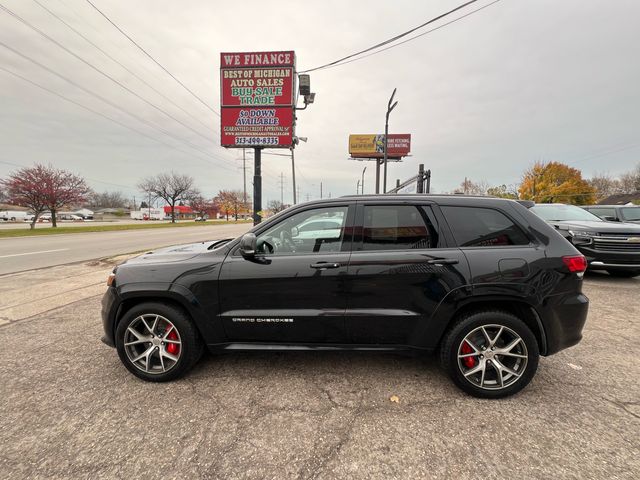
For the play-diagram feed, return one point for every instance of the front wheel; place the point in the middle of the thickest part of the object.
(157, 342)
(490, 354)
(624, 273)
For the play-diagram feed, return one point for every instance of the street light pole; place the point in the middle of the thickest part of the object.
(362, 183)
(386, 138)
(358, 187)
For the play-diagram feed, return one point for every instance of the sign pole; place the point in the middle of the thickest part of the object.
(257, 185)
(377, 175)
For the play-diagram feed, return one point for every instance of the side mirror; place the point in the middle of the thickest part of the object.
(248, 245)
(609, 218)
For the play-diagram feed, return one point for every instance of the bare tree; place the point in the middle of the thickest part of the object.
(472, 188)
(171, 187)
(630, 181)
(276, 206)
(42, 188)
(107, 200)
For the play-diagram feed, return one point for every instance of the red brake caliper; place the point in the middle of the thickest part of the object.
(173, 348)
(469, 362)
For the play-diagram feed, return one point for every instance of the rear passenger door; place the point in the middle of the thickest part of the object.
(503, 258)
(401, 268)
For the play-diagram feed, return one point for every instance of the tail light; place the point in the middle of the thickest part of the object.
(575, 263)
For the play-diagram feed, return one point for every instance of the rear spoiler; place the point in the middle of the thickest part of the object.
(526, 203)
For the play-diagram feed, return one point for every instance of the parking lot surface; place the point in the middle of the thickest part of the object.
(71, 410)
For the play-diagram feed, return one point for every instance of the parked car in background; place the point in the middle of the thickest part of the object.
(201, 219)
(616, 213)
(610, 246)
(13, 215)
(482, 281)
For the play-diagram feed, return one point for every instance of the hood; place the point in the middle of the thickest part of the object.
(595, 226)
(176, 253)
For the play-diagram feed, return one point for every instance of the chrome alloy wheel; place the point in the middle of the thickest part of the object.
(152, 343)
(492, 357)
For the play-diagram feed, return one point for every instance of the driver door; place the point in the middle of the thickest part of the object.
(294, 289)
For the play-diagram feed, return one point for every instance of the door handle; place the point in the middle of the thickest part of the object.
(443, 261)
(324, 265)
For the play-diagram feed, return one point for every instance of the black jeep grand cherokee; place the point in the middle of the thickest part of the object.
(482, 281)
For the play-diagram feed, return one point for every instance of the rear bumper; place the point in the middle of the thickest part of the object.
(563, 317)
(110, 304)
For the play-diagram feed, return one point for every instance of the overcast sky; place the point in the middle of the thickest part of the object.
(484, 97)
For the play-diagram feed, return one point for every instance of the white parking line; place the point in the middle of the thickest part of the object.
(34, 253)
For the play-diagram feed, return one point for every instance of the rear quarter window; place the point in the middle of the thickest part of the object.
(483, 227)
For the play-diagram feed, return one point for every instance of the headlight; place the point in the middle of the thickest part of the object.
(579, 237)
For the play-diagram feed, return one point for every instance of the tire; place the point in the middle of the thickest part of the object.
(624, 273)
(174, 348)
(521, 359)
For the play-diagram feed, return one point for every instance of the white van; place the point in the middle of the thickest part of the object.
(13, 215)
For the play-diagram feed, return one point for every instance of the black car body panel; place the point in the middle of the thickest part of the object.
(366, 294)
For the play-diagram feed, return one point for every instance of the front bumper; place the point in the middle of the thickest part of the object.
(610, 260)
(109, 310)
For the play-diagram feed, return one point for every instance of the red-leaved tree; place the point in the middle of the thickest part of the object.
(41, 188)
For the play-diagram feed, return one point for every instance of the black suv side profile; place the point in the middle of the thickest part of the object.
(483, 282)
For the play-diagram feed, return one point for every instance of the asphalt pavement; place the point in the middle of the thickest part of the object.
(71, 410)
(27, 253)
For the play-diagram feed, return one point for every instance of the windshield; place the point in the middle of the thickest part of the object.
(563, 213)
(631, 213)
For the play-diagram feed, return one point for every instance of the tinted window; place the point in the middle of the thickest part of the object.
(631, 213)
(396, 227)
(320, 230)
(603, 212)
(483, 227)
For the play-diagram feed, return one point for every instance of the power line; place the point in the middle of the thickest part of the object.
(415, 36)
(390, 40)
(92, 179)
(105, 53)
(152, 58)
(96, 69)
(108, 102)
(52, 92)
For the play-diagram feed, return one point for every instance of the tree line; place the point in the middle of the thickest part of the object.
(44, 188)
(549, 182)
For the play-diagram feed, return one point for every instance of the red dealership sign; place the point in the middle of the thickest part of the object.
(257, 127)
(257, 99)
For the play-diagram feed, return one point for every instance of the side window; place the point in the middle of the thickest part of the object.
(320, 230)
(604, 212)
(397, 227)
(483, 227)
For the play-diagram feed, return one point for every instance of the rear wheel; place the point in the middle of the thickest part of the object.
(624, 273)
(490, 354)
(157, 342)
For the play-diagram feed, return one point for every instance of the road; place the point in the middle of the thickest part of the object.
(27, 253)
(71, 410)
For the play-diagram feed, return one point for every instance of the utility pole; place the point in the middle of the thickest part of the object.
(320, 190)
(386, 137)
(281, 188)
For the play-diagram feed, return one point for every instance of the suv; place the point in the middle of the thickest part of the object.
(610, 246)
(483, 282)
(616, 213)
